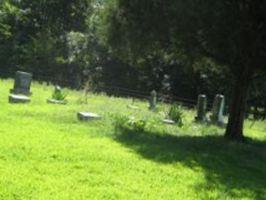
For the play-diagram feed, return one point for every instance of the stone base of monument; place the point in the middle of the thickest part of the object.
(20, 92)
(169, 121)
(54, 101)
(87, 116)
(13, 98)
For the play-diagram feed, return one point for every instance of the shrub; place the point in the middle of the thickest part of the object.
(58, 94)
(176, 114)
(130, 123)
(119, 121)
(137, 124)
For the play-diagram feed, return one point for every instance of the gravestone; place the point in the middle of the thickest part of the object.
(217, 116)
(13, 98)
(153, 100)
(22, 83)
(201, 108)
(169, 121)
(87, 116)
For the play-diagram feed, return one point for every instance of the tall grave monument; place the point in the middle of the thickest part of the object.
(217, 116)
(201, 108)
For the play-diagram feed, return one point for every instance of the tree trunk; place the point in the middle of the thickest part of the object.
(234, 128)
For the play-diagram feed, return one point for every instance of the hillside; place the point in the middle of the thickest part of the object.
(46, 153)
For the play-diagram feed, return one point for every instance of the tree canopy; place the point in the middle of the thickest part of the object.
(232, 33)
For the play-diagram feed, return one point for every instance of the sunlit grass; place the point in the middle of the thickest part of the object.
(46, 153)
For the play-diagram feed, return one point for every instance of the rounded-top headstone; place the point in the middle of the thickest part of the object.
(218, 110)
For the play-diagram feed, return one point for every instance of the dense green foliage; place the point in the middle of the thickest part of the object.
(58, 40)
(47, 154)
(176, 114)
(232, 34)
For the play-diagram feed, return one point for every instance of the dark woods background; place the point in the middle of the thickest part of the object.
(78, 42)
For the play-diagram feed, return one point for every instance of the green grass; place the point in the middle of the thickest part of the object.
(46, 153)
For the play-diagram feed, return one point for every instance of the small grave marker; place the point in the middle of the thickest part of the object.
(169, 121)
(88, 116)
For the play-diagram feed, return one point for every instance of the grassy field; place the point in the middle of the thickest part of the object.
(46, 153)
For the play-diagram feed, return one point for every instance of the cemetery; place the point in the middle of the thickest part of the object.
(132, 100)
(61, 145)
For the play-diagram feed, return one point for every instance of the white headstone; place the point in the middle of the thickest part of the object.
(217, 116)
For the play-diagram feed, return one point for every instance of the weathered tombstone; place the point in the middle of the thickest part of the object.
(13, 98)
(153, 100)
(22, 83)
(201, 108)
(217, 116)
(87, 116)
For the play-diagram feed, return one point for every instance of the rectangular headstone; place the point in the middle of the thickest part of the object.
(87, 116)
(22, 83)
(201, 108)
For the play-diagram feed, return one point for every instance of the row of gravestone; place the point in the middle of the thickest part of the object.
(217, 116)
(217, 113)
(21, 94)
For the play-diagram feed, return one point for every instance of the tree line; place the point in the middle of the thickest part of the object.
(180, 48)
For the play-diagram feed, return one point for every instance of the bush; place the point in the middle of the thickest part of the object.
(137, 124)
(131, 123)
(176, 114)
(58, 94)
(119, 121)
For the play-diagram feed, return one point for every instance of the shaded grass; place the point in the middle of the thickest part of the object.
(233, 168)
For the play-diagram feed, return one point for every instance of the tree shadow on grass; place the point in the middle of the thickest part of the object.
(233, 166)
